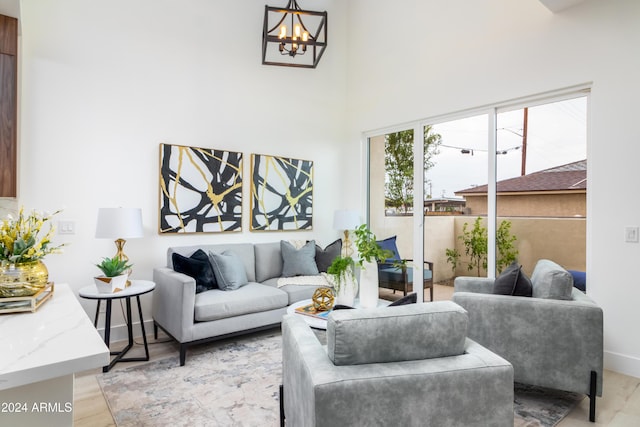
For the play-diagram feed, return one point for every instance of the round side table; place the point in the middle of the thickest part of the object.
(137, 288)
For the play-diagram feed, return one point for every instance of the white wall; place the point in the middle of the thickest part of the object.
(410, 60)
(104, 83)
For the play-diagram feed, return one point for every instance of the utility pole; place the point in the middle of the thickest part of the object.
(525, 120)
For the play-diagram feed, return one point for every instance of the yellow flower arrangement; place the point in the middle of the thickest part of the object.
(20, 239)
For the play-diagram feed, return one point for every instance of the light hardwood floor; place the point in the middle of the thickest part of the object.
(619, 406)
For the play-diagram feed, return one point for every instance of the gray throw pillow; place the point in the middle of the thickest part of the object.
(551, 281)
(298, 262)
(228, 269)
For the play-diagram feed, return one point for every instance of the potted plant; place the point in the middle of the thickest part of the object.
(115, 276)
(344, 280)
(369, 253)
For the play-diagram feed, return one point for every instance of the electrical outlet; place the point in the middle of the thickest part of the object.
(631, 235)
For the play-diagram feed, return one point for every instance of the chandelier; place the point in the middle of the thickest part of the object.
(289, 41)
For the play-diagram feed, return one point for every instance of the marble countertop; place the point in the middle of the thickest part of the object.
(58, 339)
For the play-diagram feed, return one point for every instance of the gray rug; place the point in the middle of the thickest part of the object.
(235, 383)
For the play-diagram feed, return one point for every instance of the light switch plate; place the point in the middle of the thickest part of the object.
(631, 235)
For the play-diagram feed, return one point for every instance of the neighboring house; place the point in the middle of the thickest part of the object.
(444, 206)
(559, 192)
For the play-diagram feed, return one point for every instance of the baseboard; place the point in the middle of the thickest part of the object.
(622, 363)
(119, 332)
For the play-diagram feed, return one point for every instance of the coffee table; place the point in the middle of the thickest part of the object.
(318, 323)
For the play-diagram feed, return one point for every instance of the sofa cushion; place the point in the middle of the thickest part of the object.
(393, 334)
(251, 298)
(389, 244)
(298, 262)
(550, 280)
(228, 269)
(198, 267)
(513, 281)
(268, 261)
(295, 293)
(243, 250)
(325, 257)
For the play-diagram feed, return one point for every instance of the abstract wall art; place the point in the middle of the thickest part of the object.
(281, 193)
(200, 190)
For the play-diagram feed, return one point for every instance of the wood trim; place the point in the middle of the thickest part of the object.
(8, 106)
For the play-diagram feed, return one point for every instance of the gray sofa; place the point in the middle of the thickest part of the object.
(553, 339)
(410, 365)
(194, 318)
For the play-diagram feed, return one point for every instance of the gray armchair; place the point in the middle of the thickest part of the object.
(409, 365)
(553, 343)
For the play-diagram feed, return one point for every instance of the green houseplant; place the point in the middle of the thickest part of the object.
(369, 253)
(475, 244)
(115, 276)
(342, 271)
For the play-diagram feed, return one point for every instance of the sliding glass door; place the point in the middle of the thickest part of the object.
(505, 183)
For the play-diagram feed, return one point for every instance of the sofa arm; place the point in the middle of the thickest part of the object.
(551, 343)
(482, 285)
(174, 302)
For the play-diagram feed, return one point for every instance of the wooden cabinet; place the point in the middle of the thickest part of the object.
(8, 106)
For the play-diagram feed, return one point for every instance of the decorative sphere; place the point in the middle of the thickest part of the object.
(323, 299)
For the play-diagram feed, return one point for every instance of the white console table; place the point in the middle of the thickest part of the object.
(40, 353)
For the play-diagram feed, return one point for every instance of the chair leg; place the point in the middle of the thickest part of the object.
(592, 396)
(155, 331)
(282, 405)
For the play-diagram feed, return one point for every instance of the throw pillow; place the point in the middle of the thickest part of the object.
(524, 287)
(389, 244)
(551, 281)
(505, 283)
(298, 262)
(198, 267)
(409, 299)
(324, 257)
(512, 281)
(229, 270)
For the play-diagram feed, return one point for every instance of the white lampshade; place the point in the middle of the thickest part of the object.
(119, 223)
(344, 219)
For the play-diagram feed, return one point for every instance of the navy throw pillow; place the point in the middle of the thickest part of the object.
(198, 267)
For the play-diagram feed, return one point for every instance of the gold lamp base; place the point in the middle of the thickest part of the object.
(122, 256)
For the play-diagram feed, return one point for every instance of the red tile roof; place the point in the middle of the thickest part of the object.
(569, 177)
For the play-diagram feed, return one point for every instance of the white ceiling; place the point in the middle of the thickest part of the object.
(10, 8)
(556, 6)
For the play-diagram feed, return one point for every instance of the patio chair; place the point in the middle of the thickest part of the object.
(397, 273)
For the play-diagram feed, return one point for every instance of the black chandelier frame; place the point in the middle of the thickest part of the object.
(288, 46)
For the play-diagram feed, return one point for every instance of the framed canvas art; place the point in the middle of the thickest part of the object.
(200, 190)
(281, 193)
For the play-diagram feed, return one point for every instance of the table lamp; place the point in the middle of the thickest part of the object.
(346, 220)
(119, 224)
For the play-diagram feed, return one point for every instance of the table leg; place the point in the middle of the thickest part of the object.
(95, 319)
(144, 333)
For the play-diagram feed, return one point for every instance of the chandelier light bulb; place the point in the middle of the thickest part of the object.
(283, 32)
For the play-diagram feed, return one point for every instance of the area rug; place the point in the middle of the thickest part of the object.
(235, 383)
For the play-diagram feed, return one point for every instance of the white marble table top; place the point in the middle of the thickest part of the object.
(58, 339)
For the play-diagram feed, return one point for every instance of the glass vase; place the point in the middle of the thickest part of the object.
(22, 279)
